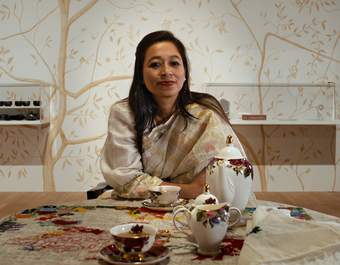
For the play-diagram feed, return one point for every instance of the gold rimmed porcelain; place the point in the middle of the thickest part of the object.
(112, 255)
(161, 207)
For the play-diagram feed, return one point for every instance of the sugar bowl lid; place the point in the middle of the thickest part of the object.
(206, 197)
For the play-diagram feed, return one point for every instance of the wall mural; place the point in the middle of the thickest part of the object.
(82, 53)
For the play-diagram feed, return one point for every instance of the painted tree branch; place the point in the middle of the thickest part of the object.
(260, 96)
(19, 18)
(273, 35)
(56, 128)
(62, 147)
(85, 140)
(66, 143)
(246, 23)
(333, 51)
(31, 28)
(141, 4)
(71, 70)
(82, 12)
(269, 34)
(42, 59)
(97, 50)
(25, 80)
(295, 44)
(96, 83)
(76, 108)
(49, 161)
(53, 93)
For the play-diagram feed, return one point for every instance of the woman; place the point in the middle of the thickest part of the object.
(162, 134)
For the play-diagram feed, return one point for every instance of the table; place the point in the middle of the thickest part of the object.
(11, 202)
(325, 202)
(72, 233)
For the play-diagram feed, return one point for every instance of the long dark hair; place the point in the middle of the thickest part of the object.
(141, 100)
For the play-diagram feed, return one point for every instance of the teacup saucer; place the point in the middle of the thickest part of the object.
(112, 255)
(164, 208)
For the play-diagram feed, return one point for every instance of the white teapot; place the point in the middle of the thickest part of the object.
(230, 176)
(208, 224)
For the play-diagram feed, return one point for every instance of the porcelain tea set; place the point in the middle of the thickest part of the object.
(229, 177)
(206, 220)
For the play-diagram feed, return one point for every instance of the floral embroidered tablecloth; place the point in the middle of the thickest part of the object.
(74, 234)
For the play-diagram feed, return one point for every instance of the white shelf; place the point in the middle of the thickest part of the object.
(283, 122)
(20, 107)
(23, 122)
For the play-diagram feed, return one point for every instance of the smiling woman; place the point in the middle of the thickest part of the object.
(162, 134)
(164, 76)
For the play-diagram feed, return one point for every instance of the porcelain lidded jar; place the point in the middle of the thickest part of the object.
(208, 224)
(230, 176)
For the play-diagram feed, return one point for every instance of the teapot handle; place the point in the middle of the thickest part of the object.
(175, 220)
(237, 213)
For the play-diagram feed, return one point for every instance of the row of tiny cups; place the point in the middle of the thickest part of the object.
(19, 103)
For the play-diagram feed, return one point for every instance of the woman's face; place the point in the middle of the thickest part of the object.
(163, 71)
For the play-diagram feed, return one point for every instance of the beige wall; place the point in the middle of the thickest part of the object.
(84, 50)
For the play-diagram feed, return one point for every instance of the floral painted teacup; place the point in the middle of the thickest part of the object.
(164, 195)
(208, 224)
(133, 238)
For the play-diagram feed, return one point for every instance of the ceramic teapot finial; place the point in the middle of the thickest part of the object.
(206, 197)
(229, 151)
(229, 139)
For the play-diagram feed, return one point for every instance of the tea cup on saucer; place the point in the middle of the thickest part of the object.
(134, 238)
(164, 195)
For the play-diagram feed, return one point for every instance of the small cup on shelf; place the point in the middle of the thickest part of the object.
(5, 103)
(32, 116)
(17, 117)
(36, 103)
(22, 103)
(3, 117)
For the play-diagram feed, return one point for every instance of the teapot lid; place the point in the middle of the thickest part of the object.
(230, 151)
(206, 197)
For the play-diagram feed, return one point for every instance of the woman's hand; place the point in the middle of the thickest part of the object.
(193, 189)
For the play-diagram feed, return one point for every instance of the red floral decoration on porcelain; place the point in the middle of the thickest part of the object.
(211, 200)
(136, 229)
(242, 166)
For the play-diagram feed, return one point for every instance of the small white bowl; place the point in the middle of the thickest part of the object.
(135, 243)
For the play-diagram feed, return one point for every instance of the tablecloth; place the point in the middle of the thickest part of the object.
(74, 233)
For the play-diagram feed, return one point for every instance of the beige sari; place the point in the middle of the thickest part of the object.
(171, 151)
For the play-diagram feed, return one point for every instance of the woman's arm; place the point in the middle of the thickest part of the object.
(120, 160)
(193, 189)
